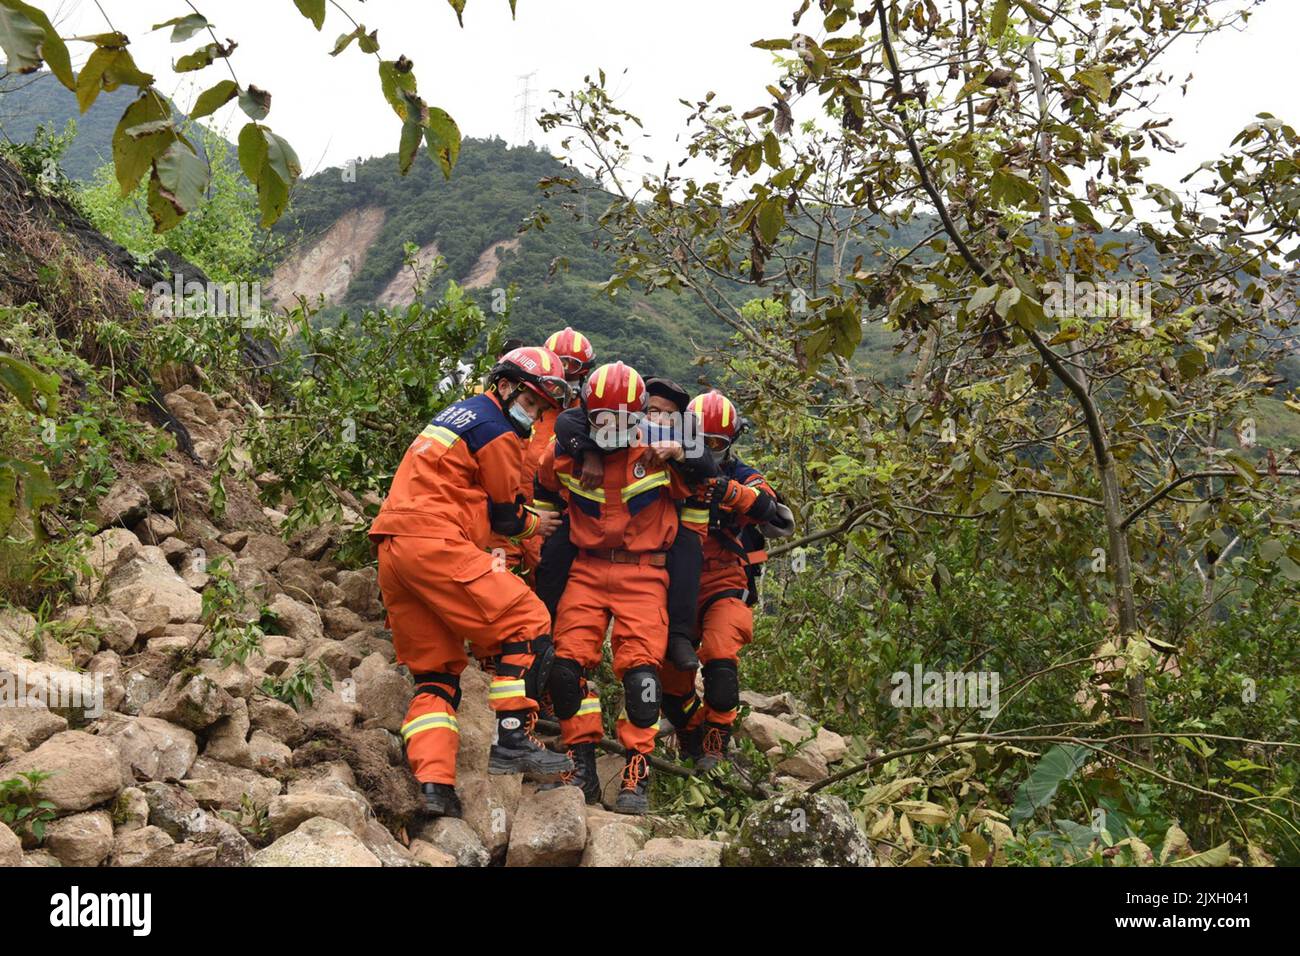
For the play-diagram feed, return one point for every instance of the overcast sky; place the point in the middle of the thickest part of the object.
(332, 110)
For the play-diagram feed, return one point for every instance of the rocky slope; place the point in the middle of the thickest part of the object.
(172, 757)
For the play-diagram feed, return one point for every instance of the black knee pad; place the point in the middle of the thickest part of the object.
(537, 677)
(565, 685)
(642, 695)
(722, 685)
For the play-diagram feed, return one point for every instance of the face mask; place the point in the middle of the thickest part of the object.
(718, 454)
(651, 433)
(521, 418)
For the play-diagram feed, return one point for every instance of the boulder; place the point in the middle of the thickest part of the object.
(832, 747)
(85, 770)
(383, 693)
(134, 847)
(141, 584)
(285, 813)
(360, 591)
(767, 732)
(380, 842)
(123, 505)
(154, 749)
(11, 848)
(59, 689)
(615, 844)
(131, 809)
(341, 622)
(457, 839)
(491, 802)
(228, 738)
(30, 725)
(299, 578)
(218, 786)
(161, 489)
(181, 855)
(317, 842)
(83, 839)
(263, 551)
(106, 666)
(426, 854)
(17, 632)
(155, 529)
(800, 829)
(267, 754)
(100, 556)
(550, 829)
(806, 763)
(276, 719)
(679, 851)
(296, 620)
(194, 701)
(316, 543)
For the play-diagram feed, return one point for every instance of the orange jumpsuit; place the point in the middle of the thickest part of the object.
(621, 530)
(726, 619)
(458, 482)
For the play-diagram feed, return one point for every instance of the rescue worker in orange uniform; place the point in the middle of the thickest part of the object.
(457, 483)
(622, 529)
(577, 356)
(742, 510)
(664, 420)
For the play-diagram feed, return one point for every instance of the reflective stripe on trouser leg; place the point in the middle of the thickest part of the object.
(632, 737)
(432, 737)
(681, 704)
(585, 726)
(508, 690)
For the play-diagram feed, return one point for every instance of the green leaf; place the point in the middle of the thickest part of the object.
(211, 100)
(413, 129)
(771, 217)
(459, 7)
(182, 180)
(1097, 80)
(1215, 857)
(184, 27)
(396, 79)
(28, 39)
(1056, 766)
(35, 390)
(252, 152)
(998, 22)
(133, 156)
(443, 139)
(255, 103)
(199, 59)
(982, 297)
(313, 10)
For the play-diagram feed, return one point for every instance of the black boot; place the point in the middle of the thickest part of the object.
(714, 739)
(634, 797)
(583, 776)
(689, 744)
(440, 800)
(518, 751)
(681, 653)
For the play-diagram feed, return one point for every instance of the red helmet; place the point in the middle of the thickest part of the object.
(575, 351)
(614, 398)
(717, 415)
(537, 369)
(614, 387)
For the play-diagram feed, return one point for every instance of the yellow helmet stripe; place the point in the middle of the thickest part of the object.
(551, 342)
(600, 381)
(578, 341)
(631, 386)
(726, 413)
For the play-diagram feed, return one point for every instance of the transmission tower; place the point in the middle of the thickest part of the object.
(525, 98)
